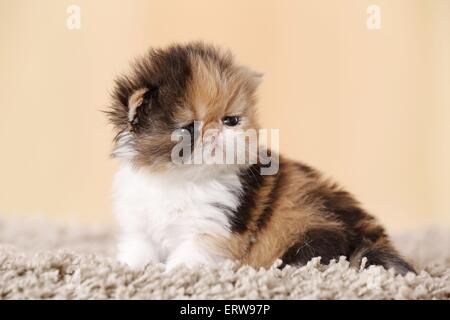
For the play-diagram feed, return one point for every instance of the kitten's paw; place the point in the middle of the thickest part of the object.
(191, 255)
(133, 260)
(136, 253)
(184, 260)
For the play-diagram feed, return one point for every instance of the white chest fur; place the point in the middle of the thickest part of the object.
(164, 215)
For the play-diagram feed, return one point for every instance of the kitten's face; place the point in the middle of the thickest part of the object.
(192, 89)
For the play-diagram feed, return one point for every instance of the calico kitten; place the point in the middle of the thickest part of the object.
(195, 214)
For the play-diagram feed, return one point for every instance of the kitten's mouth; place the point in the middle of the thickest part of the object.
(211, 148)
(214, 142)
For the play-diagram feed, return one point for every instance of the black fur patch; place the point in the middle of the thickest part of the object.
(327, 243)
(388, 258)
(251, 180)
(358, 236)
(274, 194)
(339, 206)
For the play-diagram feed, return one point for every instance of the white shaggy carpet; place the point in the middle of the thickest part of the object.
(41, 260)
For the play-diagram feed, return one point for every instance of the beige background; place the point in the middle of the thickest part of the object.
(369, 108)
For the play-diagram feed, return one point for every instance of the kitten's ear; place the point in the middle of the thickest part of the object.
(135, 101)
(254, 77)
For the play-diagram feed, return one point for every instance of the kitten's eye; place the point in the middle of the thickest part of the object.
(231, 121)
(189, 129)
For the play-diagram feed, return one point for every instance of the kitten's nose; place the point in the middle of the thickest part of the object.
(211, 129)
(210, 133)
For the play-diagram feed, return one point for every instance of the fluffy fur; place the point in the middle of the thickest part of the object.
(199, 214)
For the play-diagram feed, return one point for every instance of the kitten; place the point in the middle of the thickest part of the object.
(193, 214)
